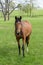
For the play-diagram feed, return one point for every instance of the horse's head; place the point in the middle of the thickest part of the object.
(18, 24)
(18, 19)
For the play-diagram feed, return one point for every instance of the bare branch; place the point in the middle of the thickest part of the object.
(2, 8)
(12, 10)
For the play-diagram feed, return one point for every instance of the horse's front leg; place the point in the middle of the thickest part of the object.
(23, 47)
(19, 47)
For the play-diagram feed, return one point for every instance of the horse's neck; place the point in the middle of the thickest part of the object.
(23, 24)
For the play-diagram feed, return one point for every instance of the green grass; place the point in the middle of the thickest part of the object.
(8, 44)
(37, 12)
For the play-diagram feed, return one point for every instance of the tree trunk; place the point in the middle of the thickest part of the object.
(8, 10)
(8, 16)
(4, 17)
(5, 10)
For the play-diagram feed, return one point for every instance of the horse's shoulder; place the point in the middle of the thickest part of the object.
(25, 22)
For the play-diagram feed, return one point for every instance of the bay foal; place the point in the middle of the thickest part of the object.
(23, 31)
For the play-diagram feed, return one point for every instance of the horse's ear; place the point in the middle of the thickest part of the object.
(15, 17)
(20, 17)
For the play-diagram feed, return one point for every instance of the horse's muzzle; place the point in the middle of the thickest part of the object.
(17, 33)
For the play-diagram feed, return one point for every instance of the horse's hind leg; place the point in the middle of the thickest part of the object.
(23, 48)
(27, 42)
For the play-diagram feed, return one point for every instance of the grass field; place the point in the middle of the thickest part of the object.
(8, 45)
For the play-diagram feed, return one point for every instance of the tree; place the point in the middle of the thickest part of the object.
(30, 2)
(7, 8)
(19, 6)
(26, 8)
(31, 5)
(2, 9)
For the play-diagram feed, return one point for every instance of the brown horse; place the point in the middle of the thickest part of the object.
(23, 30)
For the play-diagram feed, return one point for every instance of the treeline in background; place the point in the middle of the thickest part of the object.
(9, 8)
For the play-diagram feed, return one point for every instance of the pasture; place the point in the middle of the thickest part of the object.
(8, 45)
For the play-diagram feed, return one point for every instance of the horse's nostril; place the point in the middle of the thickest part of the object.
(17, 33)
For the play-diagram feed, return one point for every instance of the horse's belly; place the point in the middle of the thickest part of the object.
(28, 32)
